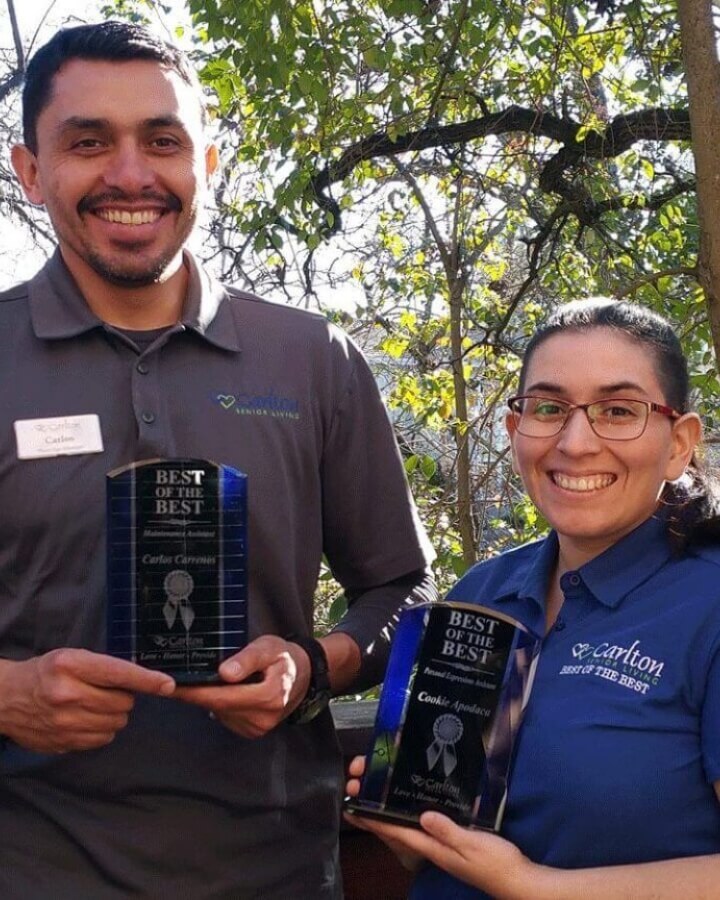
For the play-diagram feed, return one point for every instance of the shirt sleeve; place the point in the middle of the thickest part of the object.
(372, 616)
(371, 530)
(372, 536)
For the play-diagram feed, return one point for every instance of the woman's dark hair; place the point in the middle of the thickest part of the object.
(110, 41)
(692, 504)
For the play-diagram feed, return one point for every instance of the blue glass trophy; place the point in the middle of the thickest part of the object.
(457, 682)
(177, 565)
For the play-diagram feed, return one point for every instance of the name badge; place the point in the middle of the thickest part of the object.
(61, 436)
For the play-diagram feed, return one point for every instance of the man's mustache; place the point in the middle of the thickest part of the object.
(167, 201)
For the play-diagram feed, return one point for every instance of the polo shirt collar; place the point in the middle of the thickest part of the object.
(531, 584)
(59, 310)
(622, 568)
(609, 577)
(207, 309)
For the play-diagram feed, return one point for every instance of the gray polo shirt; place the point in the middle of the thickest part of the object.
(178, 806)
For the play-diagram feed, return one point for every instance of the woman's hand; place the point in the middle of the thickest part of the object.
(479, 858)
(410, 861)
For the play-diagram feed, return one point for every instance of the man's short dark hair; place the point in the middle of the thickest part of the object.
(111, 41)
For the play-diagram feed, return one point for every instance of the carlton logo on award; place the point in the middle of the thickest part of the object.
(177, 565)
(457, 682)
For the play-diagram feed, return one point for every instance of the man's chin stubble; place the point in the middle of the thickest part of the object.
(120, 277)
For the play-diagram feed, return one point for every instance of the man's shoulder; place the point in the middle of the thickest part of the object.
(288, 324)
(18, 291)
(275, 309)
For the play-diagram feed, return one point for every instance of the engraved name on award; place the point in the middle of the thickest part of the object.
(177, 565)
(457, 683)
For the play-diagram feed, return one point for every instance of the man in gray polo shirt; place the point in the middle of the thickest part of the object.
(114, 781)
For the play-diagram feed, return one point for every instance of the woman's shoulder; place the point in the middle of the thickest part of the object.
(499, 575)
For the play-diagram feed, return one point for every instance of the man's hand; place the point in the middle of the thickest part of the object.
(253, 710)
(71, 699)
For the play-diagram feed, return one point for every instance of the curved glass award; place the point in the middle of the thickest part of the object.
(177, 565)
(457, 682)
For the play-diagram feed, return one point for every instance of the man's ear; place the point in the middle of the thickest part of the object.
(25, 164)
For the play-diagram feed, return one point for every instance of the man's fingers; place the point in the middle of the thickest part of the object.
(258, 656)
(108, 672)
(230, 698)
(219, 697)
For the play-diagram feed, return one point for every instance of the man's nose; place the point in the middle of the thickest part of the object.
(578, 437)
(128, 169)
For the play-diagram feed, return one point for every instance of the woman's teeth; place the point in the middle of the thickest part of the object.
(584, 483)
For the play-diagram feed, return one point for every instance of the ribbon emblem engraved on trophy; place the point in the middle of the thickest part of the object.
(447, 731)
(178, 587)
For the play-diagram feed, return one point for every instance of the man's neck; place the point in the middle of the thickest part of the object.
(134, 308)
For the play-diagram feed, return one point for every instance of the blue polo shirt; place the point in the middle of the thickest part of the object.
(620, 745)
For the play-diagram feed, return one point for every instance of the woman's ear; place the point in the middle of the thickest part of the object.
(512, 432)
(686, 435)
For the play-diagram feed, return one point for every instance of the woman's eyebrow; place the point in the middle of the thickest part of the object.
(606, 389)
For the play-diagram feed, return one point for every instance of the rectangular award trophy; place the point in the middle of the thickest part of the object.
(457, 683)
(177, 565)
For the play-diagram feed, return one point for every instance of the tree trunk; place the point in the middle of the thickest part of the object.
(702, 71)
(460, 430)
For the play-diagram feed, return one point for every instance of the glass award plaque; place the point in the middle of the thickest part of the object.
(457, 682)
(177, 565)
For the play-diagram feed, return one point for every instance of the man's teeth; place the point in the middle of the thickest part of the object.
(144, 217)
(586, 483)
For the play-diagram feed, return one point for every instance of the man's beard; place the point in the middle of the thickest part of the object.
(121, 276)
(132, 276)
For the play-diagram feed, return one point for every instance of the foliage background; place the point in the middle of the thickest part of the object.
(437, 175)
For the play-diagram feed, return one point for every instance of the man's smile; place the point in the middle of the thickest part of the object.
(125, 217)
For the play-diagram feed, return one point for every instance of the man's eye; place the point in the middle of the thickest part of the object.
(165, 143)
(87, 144)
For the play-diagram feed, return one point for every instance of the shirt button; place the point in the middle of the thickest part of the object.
(574, 580)
(148, 418)
(142, 368)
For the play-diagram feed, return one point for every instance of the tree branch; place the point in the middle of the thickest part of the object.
(690, 271)
(619, 135)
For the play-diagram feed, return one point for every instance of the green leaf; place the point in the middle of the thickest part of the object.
(428, 467)
(337, 610)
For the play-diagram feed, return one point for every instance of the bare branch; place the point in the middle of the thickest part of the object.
(653, 277)
(17, 40)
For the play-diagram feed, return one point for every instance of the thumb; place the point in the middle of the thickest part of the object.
(442, 829)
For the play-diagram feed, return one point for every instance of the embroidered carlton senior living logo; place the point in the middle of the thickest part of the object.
(259, 404)
(628, 667)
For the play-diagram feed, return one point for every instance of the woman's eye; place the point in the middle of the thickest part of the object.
(548, 409)
(619, 411)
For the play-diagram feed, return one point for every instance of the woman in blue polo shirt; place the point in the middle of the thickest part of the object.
(616, 780)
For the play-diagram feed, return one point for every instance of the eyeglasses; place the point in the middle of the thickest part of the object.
(614, 419)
